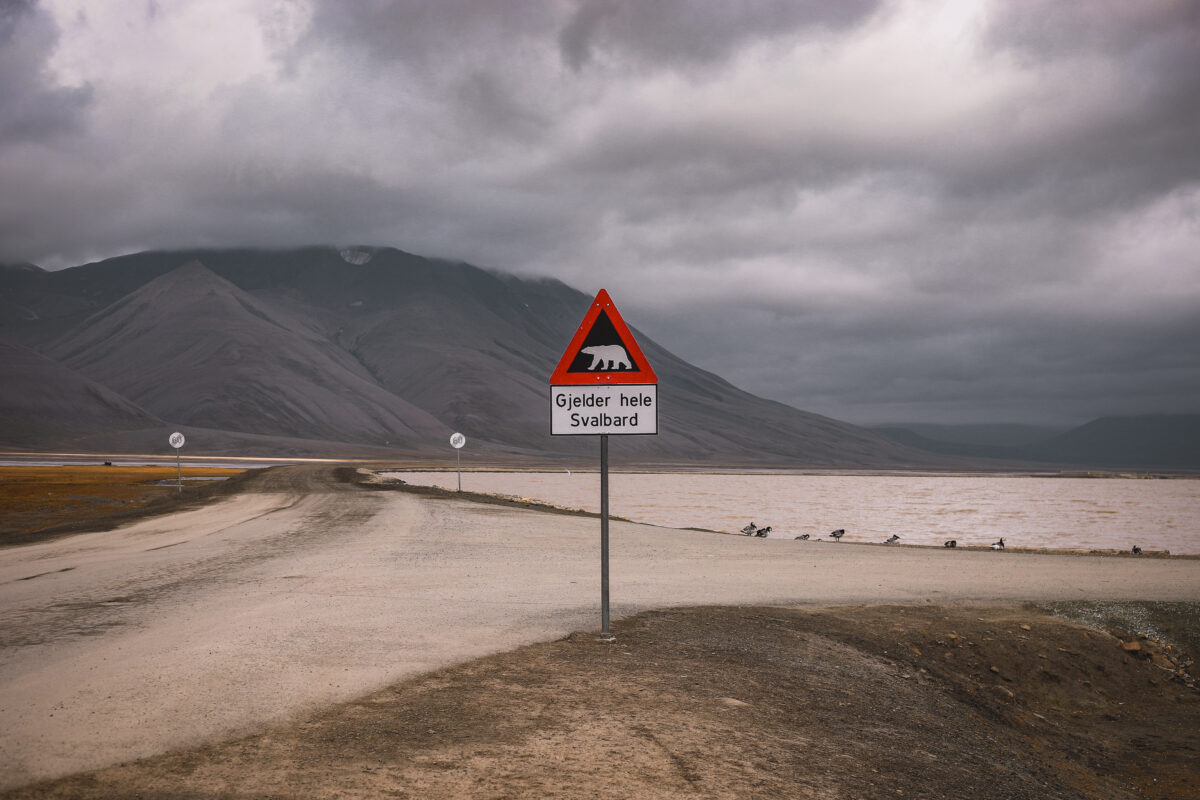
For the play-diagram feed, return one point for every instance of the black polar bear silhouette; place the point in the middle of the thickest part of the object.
(612, 354)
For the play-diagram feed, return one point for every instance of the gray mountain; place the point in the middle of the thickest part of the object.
(19, 266)
(373, 345)
(1164, 441)
(42, 401)
(906, 435)
(985, 435)
(1158, 442)
(196, 349)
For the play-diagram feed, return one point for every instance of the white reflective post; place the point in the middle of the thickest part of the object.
(176, 440)
(457, 440)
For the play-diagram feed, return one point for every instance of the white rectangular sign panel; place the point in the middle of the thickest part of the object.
(630, 408)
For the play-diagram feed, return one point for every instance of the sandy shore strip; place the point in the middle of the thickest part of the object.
(266, 606)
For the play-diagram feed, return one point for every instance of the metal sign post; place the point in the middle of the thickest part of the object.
(457, 441)
(176, 440)
(603, 385)
(604, 536)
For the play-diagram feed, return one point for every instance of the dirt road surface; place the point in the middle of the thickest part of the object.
(302, 592)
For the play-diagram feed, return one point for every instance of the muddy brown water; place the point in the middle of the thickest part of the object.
(1027, 511)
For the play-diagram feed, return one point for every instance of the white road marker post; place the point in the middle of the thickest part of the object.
(603, 385)
(457, 440)
(176, 440)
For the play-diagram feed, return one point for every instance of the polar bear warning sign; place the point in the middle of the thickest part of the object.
(603, 351)
(603, 383)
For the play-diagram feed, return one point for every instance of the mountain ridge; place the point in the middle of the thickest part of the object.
(1157, 441)
(1145, 441)
(254, 369)
(387, 349)
(41, 399)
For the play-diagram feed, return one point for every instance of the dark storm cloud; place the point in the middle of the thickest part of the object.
(431, 37)
(690, 32)
(31, 107)
(432, 34)
(1130, 97)
(1016, 284)
(1043, 28)
(874, 210)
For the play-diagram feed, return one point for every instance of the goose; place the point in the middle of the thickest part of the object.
(1137, 551)
(951, 543)
(750, 529)
(891, 539)
(998, 545)
(838, 534)
(763, 532)
(803, 537)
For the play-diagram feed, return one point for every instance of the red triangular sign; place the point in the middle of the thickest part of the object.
(603, 351)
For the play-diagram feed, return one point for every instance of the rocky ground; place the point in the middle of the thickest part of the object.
(1073, 700)
(1063, 700)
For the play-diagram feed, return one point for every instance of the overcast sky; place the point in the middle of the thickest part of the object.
(882, 211)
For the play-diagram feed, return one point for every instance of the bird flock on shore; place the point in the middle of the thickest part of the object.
(762, 532)
(754, 530)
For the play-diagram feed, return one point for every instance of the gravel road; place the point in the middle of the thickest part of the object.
(301, 591)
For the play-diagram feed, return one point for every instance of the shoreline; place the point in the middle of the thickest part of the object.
(375, 478)
(367, 476)
(1120, 474)
(427, 463)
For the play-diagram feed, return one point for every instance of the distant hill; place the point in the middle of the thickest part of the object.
(20, 266)
(200, 351)
(1167, 441)
(43, 401)
(906, 435)
(382, 348)
(986, 435)
(1146, 442)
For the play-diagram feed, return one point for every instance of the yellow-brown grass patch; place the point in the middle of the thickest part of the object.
(36, 498)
